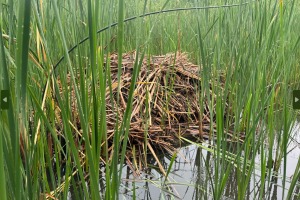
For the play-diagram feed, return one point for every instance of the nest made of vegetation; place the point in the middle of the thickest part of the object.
(166, 97)
(165, 104)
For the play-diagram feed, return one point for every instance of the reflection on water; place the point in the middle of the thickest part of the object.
(191, 176)
(190, 179)
(193, 171)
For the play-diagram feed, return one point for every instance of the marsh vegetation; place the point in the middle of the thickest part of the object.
(107, 96)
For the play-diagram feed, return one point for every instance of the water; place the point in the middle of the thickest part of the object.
(193, 171)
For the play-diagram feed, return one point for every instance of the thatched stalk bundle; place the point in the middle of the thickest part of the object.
(165, 104)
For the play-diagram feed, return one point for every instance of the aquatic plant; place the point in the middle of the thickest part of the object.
(57, 137)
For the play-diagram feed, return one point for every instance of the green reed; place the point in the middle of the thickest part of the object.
(254, 46)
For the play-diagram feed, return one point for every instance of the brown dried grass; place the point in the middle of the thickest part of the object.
(165, 104)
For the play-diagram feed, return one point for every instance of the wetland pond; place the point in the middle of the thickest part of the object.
(194, 169)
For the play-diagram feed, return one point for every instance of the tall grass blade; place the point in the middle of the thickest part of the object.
(3, 69)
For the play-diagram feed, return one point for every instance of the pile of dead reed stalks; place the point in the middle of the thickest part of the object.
(165, 103)
(166, 99)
